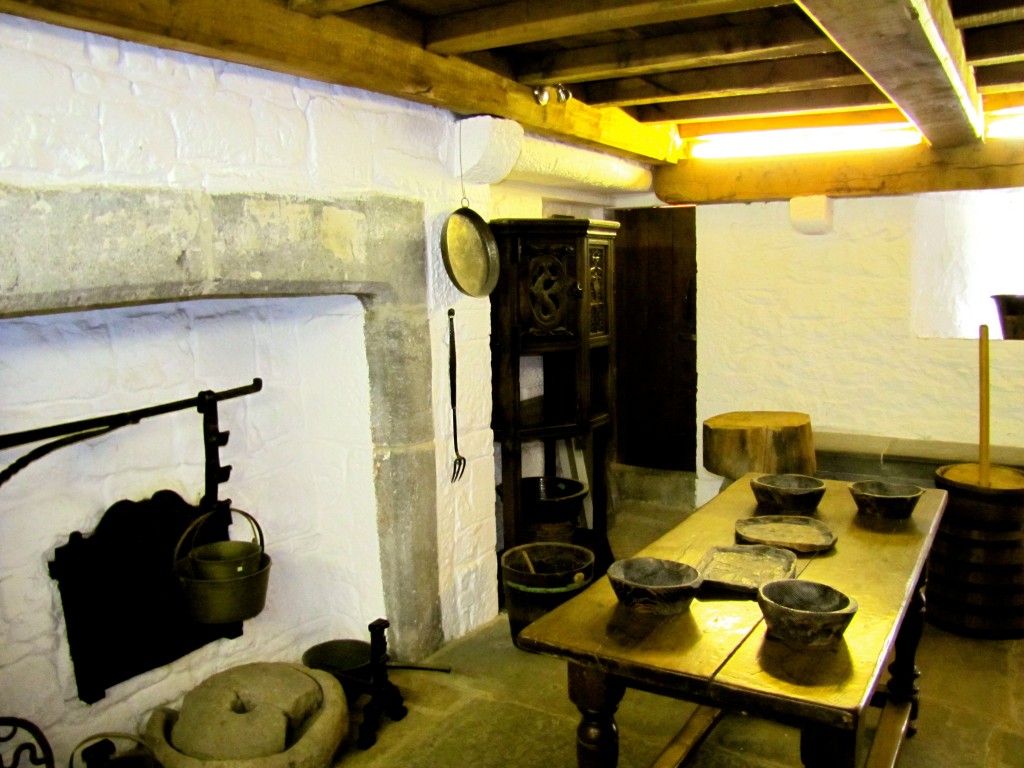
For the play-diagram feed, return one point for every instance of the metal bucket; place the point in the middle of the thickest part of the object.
(227, 559)
(223, 601)
(541, 576)
(552, 507)
(225, 583)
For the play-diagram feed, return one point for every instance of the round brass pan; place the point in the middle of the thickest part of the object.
(470, 252)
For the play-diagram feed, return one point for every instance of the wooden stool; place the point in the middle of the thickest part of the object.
(759, 441)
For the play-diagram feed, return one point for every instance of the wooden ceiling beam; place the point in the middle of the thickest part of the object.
(790, 36)
(983, 13)
(1000, 44)
(994, 164)
(798, 73)
(528, 21)
(797, 102)
(914, 53)
(323, 7)
(265, 34)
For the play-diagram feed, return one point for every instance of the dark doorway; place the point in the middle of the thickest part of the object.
(656, 327)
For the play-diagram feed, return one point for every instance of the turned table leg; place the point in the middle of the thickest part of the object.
(597, 695)
(902, 685)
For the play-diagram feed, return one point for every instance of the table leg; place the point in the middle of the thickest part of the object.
(824, 747)
(597, 695)
(902, 685)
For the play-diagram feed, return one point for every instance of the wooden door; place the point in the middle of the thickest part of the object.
(656, 326)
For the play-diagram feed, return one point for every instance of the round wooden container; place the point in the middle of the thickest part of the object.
(975, 581)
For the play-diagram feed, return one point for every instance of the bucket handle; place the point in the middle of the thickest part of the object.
(110, 735)
(194, 529)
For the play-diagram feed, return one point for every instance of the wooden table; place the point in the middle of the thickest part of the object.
(716, 654)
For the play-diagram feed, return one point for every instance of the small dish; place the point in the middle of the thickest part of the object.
(796, 532)
(652, 585)
(884, 499)
(805, 614)
(792, 493)
(745, 567)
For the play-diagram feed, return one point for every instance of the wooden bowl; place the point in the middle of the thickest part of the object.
(805, 614)
(653, 585)
(798, 494)
(884, 499)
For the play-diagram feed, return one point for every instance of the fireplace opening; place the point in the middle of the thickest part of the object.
(302, 459)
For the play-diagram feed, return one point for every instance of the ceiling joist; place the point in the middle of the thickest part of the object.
(526, 21)
(789, 36)
(796, 73)
(798, 102)
(914, 54)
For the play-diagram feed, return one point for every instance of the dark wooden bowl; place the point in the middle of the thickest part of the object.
(799, 494)
(884, 499)
(653, 585)
(805, 614)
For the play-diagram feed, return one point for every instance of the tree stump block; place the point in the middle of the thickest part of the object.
(759, 441)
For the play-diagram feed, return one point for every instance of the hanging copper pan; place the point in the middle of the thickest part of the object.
(470, 252)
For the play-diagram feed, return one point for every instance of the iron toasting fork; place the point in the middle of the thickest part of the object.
(460, 462)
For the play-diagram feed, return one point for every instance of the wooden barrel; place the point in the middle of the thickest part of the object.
(975, 581)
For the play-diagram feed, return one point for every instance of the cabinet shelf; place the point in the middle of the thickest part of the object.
(553, 301)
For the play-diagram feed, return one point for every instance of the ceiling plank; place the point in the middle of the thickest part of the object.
(1000, 44)
(528, 21)
(982, 13)
(888, 115)
(791, 36)
(797, 102)
(324, 7)
(778, 76)
(916, 58)
(263, 33)
(1002, 77)
(910, 170)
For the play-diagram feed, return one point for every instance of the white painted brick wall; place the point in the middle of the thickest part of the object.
(87, 110)
(822, 324)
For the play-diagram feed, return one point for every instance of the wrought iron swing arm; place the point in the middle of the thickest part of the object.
(61, 435)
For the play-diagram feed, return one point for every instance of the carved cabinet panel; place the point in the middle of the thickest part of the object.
(551, 311)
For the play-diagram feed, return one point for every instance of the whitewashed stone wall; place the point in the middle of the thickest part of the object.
(80, 110)
(822, 324)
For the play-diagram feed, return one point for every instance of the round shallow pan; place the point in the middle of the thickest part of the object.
(470, 252)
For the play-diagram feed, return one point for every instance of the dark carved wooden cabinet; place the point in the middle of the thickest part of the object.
(552, 312)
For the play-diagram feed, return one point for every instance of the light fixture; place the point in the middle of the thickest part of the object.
(803, 141)
(541, 95)
(563, 93)
(1006, 124)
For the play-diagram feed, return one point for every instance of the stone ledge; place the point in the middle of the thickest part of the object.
(900, 448)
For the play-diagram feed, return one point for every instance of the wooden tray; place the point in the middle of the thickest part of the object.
(745, 567)
(795, 532)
